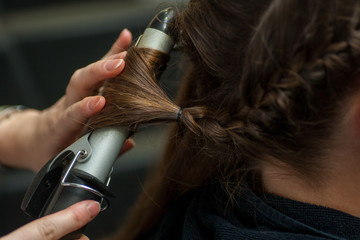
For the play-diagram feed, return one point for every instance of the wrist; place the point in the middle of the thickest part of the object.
(7, 110)
(16, 137)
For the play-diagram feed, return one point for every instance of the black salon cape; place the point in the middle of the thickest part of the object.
(201, 215)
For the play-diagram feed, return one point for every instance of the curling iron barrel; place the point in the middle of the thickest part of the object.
(159, 33)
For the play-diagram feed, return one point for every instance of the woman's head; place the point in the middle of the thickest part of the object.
(268, 82)
(300, 68)
(276, 76)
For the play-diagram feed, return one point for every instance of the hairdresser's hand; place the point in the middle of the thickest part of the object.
(30, 138)
(59, 224)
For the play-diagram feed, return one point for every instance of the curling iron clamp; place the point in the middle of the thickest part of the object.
(83, 170)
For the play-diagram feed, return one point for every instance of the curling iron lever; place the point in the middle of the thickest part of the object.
(83, 170)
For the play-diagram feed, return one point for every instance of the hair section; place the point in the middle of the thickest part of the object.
(266, 84)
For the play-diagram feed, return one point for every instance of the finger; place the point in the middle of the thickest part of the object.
(59, 224)
(83, 237)
(74, 119)
(117, 55)
(122, 43)
(83, 80)
(77, 115)
(129, 144)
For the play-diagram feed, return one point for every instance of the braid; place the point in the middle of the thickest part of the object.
(273, 98)
(288, 83)
(285, 94)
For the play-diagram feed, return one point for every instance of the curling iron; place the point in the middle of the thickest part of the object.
(82, 171)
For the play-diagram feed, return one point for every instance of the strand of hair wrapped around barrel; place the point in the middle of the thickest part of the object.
(134, 97)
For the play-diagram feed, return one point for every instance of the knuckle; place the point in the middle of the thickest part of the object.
(47, 230)
(93, 68)
(74, 79)
(76, 75)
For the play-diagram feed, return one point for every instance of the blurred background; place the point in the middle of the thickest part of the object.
(42, 42)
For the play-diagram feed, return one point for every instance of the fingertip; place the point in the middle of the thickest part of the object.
(112, 65)
(128, 145)
(83, 237)
(125, 39)
(130, 142)
(125, 33)
(85, 211)
(125, 30)
(95, 104)
(93, 208)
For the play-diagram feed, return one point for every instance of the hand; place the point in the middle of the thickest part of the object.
(30, 138)
(59, 224)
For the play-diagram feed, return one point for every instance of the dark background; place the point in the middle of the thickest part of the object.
(42, 42)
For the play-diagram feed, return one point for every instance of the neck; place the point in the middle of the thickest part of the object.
(341, 191)
(340, 188)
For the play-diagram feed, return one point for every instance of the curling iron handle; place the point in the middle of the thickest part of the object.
(68, 197)
(106, 144)
(92, 172)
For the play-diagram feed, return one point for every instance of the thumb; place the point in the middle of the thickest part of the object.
(59, 224)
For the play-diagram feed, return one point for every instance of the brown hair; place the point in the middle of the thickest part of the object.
(267, 82)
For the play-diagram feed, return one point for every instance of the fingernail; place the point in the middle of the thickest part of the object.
(123, 54)
(113, 64)
(131, 141)
(94, 208)
(128, 145)
(94, 102)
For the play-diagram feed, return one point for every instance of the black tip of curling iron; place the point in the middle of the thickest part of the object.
(163, 21)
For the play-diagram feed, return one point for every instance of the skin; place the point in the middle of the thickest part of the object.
(30, 138)
(59, 224)
(340, 189)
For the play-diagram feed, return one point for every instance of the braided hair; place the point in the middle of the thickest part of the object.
(266, 83)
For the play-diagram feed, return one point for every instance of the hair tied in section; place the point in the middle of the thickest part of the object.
(179, 115)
